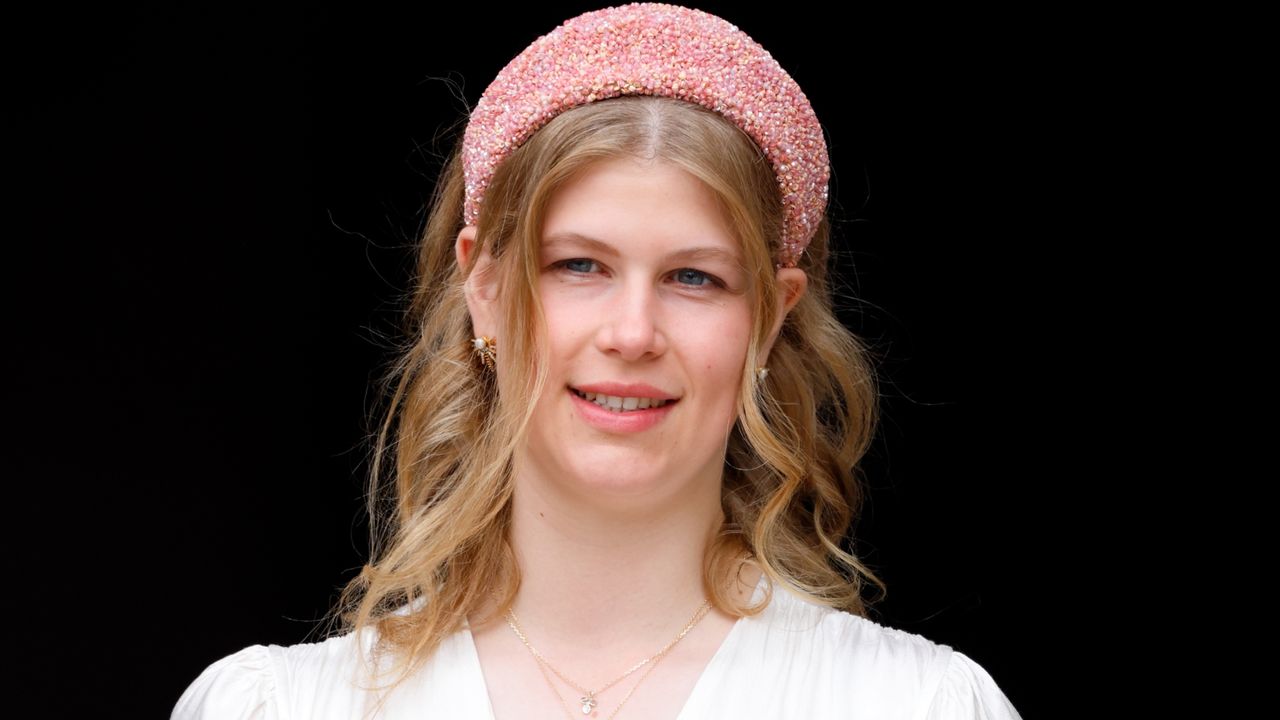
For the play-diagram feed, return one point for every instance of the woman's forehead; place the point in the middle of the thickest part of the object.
(612, 197)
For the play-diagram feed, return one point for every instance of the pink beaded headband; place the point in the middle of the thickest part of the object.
(656, 49)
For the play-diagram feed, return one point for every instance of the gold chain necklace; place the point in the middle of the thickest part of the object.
(589, 699)
(589, 702)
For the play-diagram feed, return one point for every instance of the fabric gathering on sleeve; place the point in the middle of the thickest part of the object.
(968, 692)
(240, 686)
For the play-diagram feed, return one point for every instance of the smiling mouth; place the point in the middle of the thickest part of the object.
(617, 404)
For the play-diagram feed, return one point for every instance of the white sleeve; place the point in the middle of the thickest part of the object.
(968, 692)
(240, 686)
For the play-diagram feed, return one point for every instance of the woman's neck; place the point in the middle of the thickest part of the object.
(596, 577)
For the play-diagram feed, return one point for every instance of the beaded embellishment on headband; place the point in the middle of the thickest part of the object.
(657, 49)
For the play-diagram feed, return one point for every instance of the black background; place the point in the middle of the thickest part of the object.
(212, 224)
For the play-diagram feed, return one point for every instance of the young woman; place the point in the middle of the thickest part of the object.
(626, 427)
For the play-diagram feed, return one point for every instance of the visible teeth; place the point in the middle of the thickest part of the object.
(621, 404)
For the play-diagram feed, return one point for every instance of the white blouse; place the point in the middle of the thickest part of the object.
(795, 660)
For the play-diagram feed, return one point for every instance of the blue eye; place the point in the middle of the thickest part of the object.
(579, 264)
(688, 273)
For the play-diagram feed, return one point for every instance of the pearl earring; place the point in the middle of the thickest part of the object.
(487, 350)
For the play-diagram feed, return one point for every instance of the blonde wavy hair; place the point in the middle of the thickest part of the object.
(442, 467)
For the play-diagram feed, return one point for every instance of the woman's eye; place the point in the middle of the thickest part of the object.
(694, 275)
(578, 264)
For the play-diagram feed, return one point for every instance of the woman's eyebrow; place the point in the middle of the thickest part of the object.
(693, 253)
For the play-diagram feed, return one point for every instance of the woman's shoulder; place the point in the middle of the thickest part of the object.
(876, 666)
(261, 682)
(238, 686)
(842, 637)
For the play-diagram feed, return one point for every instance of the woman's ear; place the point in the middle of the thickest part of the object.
(480, 286)
(792, 283)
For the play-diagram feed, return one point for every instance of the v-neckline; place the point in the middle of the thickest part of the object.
(477, 670)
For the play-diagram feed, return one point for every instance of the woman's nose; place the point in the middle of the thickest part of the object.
(631, 326)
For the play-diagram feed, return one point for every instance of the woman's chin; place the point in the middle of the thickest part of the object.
(611, 477)
(616, 474)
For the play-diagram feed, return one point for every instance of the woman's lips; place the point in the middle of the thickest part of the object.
(646, 400)
(618, 421)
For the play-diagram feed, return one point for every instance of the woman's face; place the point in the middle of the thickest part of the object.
(645, 300)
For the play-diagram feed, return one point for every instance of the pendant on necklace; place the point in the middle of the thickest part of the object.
(588, 701)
